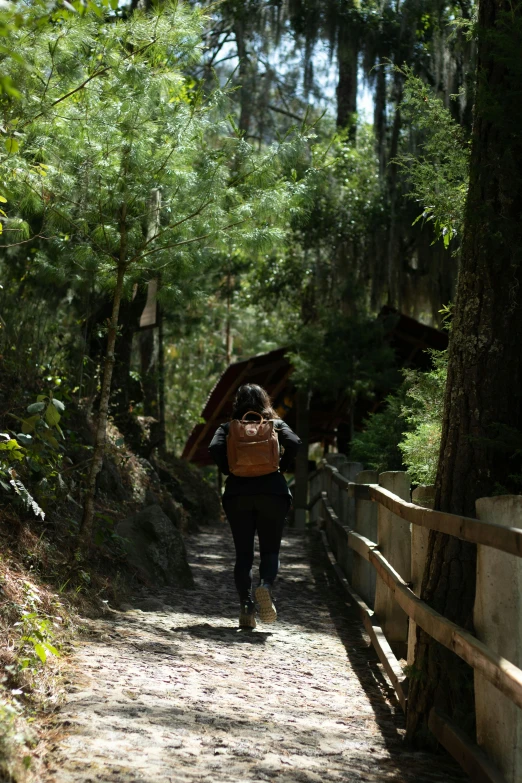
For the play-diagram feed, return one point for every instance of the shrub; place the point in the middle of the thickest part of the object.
(377, 445)
(422, 412)
(405, 434)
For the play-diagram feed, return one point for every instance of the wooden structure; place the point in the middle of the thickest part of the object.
(346, 546)
(149, 316)
(408, 338)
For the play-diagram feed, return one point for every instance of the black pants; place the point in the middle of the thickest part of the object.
(246, 514)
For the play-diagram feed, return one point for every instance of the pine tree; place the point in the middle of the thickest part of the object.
(113, 117)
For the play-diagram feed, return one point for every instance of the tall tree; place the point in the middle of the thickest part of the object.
(480, 449)
(348, 64)
(120, 122)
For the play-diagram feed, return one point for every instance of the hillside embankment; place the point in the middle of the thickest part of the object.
(51, 589)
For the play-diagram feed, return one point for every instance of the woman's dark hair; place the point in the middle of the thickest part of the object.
(251, 397)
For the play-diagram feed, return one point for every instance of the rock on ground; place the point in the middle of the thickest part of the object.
(188, 486)
(182, 696)
(155, 547)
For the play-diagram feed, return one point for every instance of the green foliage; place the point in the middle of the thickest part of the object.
(422, 411)
(322, 261)
(405, 434)
(318, 276)
(113, 105)
(346, 354)
(109, 116)
(35, 453)
(196, 352)
(376, 446)
(438, 172)
(117, 118)
(19, 17)
(37, 635)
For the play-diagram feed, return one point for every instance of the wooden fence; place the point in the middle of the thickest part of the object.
(377, 541)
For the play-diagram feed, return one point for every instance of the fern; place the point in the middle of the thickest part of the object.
(23, 493)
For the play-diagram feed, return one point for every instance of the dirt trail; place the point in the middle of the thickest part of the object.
(182, 695)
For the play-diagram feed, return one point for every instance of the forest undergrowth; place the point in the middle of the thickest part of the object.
(48, 584)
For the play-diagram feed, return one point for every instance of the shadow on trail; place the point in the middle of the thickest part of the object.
(226, 635)
(215, 594)
(364, 661)
(173, 696)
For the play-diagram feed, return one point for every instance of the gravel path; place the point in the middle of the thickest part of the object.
(179, 694)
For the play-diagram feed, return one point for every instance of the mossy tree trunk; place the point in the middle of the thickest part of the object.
(100, 435)
(149, 371)
(481, 439)
(162, 435)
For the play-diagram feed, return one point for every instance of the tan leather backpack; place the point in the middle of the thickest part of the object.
(252, 446)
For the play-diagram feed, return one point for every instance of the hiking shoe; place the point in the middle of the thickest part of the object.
(267, 610)
(247, 615)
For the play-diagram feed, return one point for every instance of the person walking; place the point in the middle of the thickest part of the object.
(254, 449)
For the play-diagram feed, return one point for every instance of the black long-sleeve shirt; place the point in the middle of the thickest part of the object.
(270, 484)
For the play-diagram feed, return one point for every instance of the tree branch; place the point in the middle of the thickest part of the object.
(170, 227)
(285, 112)
(25, 241)
(81, 86)
(190, 241)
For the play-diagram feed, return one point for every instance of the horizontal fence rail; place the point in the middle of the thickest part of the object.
(473, 760)
(476, 531)
(347, 544)
(500, 672)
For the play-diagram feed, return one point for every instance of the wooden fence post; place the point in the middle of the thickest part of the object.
(301, 460)
(337, 538)
(498, 623)
(363, 573)
(394, 540)
(334, 491)
(347, 511)
(325, 478)
(316, 486)
(342, 505)
(421, 496)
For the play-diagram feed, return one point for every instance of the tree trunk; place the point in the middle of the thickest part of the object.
(481, 439)
(379, 118)
(101, 424)
(162, 442)
(229, 340)
(245, 92)
(301, 460)
(347, 56)
(124, 391)
(147, 338)
(393, 272)
(149, 371)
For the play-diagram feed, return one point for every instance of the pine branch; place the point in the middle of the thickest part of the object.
(25, 241)
(170, 227)
(191, 241)
(89, 79)
(285, 112)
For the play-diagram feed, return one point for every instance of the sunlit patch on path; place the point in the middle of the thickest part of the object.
(183, 695)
